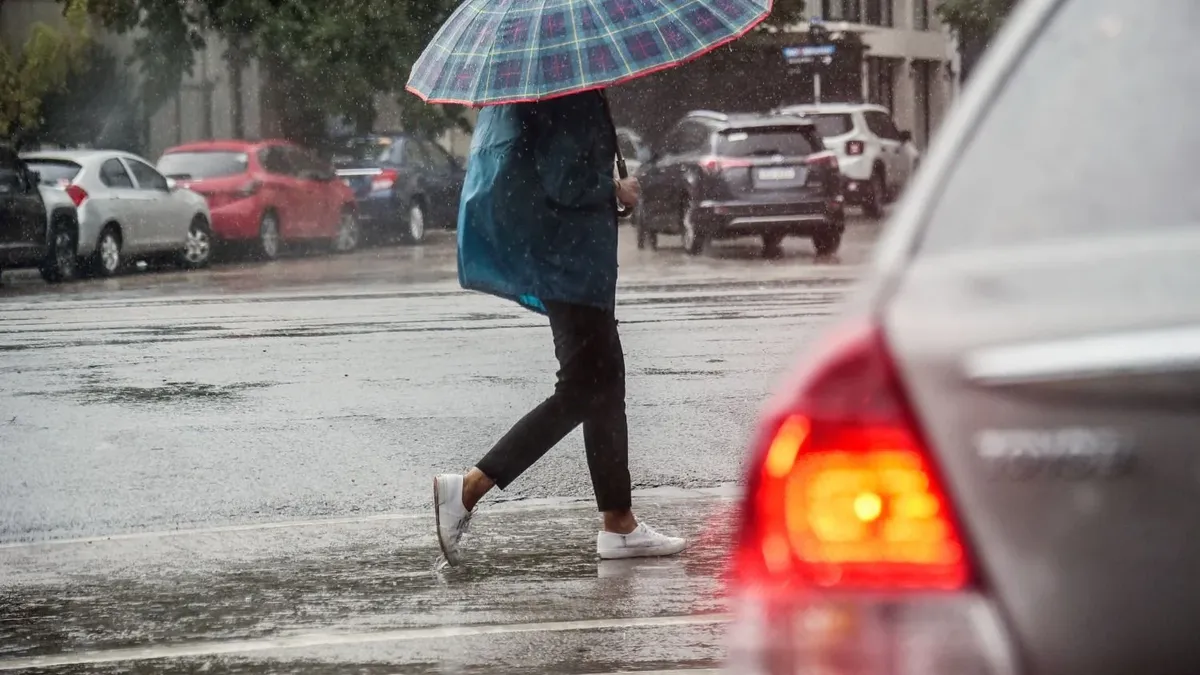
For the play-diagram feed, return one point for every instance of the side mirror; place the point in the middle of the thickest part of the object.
(172, 185)
(906, 137)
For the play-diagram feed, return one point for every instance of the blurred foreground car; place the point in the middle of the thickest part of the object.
(269, 193)
(403, 184)
(634, 149)
(876, 159)
(126, 209)
(989, 464)
(38, 223)
(720, 176)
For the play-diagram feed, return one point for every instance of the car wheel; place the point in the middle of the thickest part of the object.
(876, 195)
(694, 241)
(61, 263)
(107, 260)
(416, 224)
(772, 245)
(198, 248)
(827, 243)
(270, 243)
(348, 233)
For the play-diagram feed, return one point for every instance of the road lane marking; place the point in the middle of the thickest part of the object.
(249, 646)
(573, 503)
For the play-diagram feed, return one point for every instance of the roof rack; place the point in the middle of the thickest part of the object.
(710, 114)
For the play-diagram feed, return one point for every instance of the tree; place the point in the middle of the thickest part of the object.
(39, 68)
(974, 23)
(785, 13)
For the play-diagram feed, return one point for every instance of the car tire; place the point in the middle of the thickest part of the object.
(198, 249)
(270, 241)
(62, 262)
(876, 195)
(107, 260)
(694, 241)
(772, 246)
(827, 243)
(415, 224)
(349, 232)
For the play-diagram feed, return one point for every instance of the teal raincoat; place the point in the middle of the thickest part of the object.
(538, 219)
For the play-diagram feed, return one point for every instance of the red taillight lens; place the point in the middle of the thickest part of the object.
(715, 165)
(384, 180)
(77, 194)
(854, 148)
(843, 495)
(824, 159)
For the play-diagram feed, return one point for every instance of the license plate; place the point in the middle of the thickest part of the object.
(781, 173)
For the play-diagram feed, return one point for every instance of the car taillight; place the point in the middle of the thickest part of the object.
(77, 194)
(384, 180)
(824, 159)
(854, 148)
(849, 548)
(249, 189)
(715, 165)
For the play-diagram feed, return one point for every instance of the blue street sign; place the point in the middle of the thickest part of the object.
(818, 50)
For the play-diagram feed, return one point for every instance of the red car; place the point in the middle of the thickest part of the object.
(268, 193)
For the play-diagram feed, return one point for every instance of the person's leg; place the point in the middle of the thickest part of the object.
(577, 346)
(606, 430)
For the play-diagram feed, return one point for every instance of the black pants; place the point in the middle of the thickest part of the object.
(590, 391)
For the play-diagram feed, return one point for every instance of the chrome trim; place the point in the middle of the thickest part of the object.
(1093, 357)
(782, 220)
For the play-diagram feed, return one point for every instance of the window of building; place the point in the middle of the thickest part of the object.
(881, 81)
(842, 10)
(921, 14)
(880, 13)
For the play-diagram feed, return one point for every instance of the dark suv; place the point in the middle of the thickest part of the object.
(38, 223)
(718, 176)
(403, 184)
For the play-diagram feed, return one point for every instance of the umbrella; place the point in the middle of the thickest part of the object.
(491, 52)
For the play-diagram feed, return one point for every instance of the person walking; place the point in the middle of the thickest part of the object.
(537, 225)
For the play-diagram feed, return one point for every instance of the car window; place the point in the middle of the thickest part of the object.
(414, 155)
(790, 141)
(353, 151)
(439, 158)
(201, 165)
(275, 159)
(1042, 163)
(832, 124)
(671, 143)
(696, 138)
(147, 178)
(11, 181)
(54, 171)
(881, 125)
(114, 175)
(628, 149)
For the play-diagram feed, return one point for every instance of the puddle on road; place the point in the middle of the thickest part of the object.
(166, 393)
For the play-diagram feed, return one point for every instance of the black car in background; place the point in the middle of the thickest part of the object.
(403, 184)
(39, 226)
(718, 176)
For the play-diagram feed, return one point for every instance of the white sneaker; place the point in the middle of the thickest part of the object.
(643, 542)
(452, 517)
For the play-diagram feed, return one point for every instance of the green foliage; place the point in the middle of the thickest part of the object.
(39, 68)
(95, 107)
(981, 18)
(786, 13)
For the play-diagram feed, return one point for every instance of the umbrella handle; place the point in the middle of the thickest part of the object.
(622, 171)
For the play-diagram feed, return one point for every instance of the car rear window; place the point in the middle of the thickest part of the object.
(757, 142)
(199, 165)
(832, 124)
(1051, 158)
(54, 171)
(362, 150)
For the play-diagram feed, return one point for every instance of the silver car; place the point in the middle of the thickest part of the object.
(127, 209)
(989, 464)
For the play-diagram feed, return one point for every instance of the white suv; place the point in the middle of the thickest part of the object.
(876, 159)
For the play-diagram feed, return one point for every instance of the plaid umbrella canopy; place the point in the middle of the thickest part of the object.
(491, 52)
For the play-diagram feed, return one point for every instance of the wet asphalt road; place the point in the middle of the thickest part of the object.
(228, 470)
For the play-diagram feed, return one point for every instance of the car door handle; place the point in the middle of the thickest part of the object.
(1165, 361)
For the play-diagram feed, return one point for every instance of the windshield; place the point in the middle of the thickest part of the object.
(362, 151)
(54, 171)
(200, 165)
(787, 141)
(832, 124)
(1076, 96)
